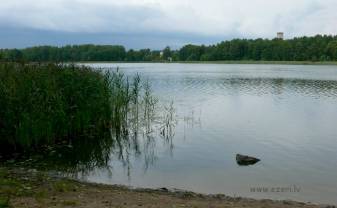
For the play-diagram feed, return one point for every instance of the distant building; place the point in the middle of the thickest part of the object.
(280, 35)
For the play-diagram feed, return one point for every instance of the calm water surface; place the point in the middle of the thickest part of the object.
(285, 115)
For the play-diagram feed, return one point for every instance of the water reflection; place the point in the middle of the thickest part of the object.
(284, 115)
(277, 86)
(139, 140)
(218, 86)
(158, 124)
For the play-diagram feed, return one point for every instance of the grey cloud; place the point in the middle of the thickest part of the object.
(174, 20)
(73, 16)
(20, 38)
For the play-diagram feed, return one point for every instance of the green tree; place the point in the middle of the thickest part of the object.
(331, 50)
(167, 53)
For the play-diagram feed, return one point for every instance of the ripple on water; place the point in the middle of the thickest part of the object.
(285, 115)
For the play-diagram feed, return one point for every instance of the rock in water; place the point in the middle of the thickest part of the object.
(246, 160)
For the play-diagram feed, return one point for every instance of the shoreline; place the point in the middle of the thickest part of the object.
(31, 188)
(324, 63)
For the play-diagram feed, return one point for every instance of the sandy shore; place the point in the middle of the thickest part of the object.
(31, 188)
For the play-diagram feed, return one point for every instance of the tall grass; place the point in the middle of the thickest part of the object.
(44, 105)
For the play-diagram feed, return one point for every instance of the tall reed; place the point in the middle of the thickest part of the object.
(44, 105)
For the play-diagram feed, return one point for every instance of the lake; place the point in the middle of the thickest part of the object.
(286, 115)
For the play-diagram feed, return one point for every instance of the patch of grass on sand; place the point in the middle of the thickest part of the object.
(70, 203)
(4, 202)
(64, 186)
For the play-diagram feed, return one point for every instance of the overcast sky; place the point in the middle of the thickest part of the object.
(157, 23)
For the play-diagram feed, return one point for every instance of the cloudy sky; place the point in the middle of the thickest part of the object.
(157, 23)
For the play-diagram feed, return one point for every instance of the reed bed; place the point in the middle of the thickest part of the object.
(49, 104)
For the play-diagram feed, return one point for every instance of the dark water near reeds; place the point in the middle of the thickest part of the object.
(285, 115)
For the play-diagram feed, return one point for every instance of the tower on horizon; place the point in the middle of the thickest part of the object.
(280, 35)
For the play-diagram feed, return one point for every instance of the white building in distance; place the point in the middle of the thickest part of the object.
(280, 35)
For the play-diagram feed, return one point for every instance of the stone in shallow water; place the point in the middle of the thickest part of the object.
(164, 189)
(245, 160)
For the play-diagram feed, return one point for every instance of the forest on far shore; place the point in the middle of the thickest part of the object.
(316, 48)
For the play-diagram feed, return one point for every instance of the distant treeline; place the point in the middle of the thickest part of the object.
(317, 48)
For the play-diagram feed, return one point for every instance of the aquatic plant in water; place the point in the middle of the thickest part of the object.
(49, 104)
(76, 117)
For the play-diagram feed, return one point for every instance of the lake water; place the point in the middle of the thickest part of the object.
(286, 115)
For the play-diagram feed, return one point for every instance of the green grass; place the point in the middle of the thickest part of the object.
(11, 187)
(4, 202)
(15, 183)
(70, 203)
(42, 106)
(64, 186)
